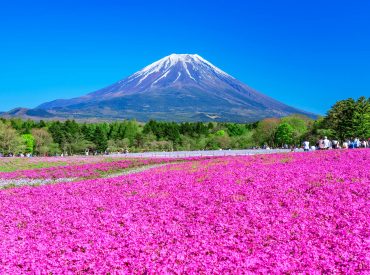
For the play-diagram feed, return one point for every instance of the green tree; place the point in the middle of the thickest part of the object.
(265, 131)
(318, 129)
(27, 126)
(81, 145)
(220, 133)
(100, 139)
(54, 149)
(187, 143)
(284, 134)
(130, 129)
(29, 142)
(244, 141)
(349, 118)
(17, 124)
(43, 139)
(361, 118)
(340, 118)
(300, 125)
(119, 145)
(10, 141)
(234, 129)
(57, 132)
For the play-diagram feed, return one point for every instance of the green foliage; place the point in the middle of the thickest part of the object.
(234, 129)
(317, 130)
(166, 130)
(10, 141)
(220, 133)
(43, 140)
(81, 146)
(340, 118)
(349, 118)
(361, 118)
(244, 141)
(100, 139)
(118, 145)
(265, 131)
(299, 124)
(284, 134)
(54, 149)
(29, 142)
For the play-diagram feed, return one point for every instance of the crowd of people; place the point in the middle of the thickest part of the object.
(325, 144)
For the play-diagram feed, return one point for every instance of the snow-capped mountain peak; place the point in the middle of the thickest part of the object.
(172, 60)
(177, 68)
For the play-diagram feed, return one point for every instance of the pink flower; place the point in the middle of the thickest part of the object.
(294, 213)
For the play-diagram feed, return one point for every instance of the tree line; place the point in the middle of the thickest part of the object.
(345, 120)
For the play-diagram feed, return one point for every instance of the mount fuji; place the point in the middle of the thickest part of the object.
(178, 87)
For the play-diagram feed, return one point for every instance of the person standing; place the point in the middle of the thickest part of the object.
(306, 146)
(326, 143)
(345, 145)
(364, 144)
(321, 144)
(335, 144)
(357, 143)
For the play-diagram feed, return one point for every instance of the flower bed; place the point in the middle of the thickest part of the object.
(9, 164)
(86, 170)
(287, 213)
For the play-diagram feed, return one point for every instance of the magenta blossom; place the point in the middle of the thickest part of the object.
(284, 213)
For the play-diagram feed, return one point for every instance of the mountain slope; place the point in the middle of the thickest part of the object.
(179, 87)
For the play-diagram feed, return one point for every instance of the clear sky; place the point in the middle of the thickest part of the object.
(307, 54)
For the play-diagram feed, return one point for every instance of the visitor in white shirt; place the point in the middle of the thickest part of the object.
(306, 146)
(326, 143)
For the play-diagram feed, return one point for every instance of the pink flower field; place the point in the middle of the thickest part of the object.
(13, 164)
(280, 213)
(76, 170)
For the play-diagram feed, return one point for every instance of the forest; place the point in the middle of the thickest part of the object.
(346, 119)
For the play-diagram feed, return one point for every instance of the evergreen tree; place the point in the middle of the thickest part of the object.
(100, 139)
(340, 118)
(361, 118)
(57, 133)
(131, 129)
(234, 129)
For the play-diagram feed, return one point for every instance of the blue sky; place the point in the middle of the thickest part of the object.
(307, 54)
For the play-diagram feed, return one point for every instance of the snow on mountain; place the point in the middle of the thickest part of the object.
(171, 62)
(180, 87)
(180, 69)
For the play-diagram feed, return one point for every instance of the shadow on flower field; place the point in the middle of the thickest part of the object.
(281, 213)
